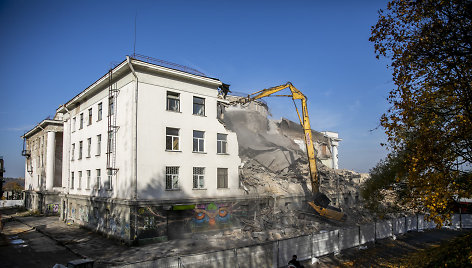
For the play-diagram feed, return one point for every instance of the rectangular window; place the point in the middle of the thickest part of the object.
(80, 180)
(172, 139)
(99, 144)
(90, 116)
(97, 183)
(222, 177)
(198, 177)
(221, 143)
(42, 160)
(88, 179)
(198, 141)
(80, 149)
(99, 115)
(72, 180)
(109, 185)
(81, 122)
(172, 178)
(74, 123)
(72, 152)
(110, 142)
(173, 101)
(111, 106)
(89, 147)
(198, 106)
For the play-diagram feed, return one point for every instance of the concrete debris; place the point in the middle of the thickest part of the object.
(274, 163)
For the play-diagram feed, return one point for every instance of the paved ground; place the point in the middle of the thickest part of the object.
(47, 241)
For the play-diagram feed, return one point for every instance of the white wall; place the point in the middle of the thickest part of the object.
(152, 155)
(121, 182)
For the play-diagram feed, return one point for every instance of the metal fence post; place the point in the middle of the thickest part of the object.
(417, 222)
(359, 230)
(375, 231)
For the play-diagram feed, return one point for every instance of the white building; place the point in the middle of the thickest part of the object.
(143, 146)
(43, 165)
(334, 140)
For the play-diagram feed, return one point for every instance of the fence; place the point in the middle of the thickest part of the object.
(11, 203)
(278, 253)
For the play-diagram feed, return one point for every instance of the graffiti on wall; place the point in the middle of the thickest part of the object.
(211, 215)
(52, 208)
(177, 221)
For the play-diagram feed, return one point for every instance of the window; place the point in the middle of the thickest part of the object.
(110, 142)
(198, 106)
(89, 146)
(198, 141)
(172, 178)
(222, 177)
(221, 143)
(220, 110)
(90, 117)
(97, 183)
(42, 160)
(198, 177)
(80, 180)
(109, 185)
(99, 115)
(81, 123)
(88, 179)
(72, 152)
(74, 122)
(72, 180)
(173, 101)
(172, 139)
(80, 149)
(111, 106)
(99, 144)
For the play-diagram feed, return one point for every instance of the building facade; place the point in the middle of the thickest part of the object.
(43, 166)
(143, 147)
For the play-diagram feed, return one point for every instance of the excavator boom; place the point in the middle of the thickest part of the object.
(323, 209)
(304, 122)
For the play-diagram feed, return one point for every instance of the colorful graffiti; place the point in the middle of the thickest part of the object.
(52, 208)
(211, 214)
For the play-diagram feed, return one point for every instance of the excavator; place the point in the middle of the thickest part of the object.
(320, 201)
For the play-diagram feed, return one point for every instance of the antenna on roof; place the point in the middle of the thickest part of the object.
(134, 46)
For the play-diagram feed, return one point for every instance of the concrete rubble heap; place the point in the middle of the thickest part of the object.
(274, 163)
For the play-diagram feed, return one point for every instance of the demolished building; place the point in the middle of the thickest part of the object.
(150, 154)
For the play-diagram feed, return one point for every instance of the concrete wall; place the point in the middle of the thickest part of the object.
(99, 214)
(11, 203)
(42, 202)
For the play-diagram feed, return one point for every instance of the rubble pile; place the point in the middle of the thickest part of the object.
(274, 163)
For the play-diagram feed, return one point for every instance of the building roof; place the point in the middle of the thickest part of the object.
(41, 126)
(124, 68)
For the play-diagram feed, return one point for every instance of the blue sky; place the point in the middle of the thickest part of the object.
(53, 50)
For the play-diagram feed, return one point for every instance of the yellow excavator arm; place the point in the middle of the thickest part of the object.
(323, 209)
(304, 122)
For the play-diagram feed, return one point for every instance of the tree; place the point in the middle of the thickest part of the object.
(429, 44)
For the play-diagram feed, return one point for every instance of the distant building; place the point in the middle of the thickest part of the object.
(332, 146)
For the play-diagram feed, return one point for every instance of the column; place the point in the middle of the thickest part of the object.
(50, 160)
(335, 154)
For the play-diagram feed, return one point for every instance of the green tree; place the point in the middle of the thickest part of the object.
(429, 44)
